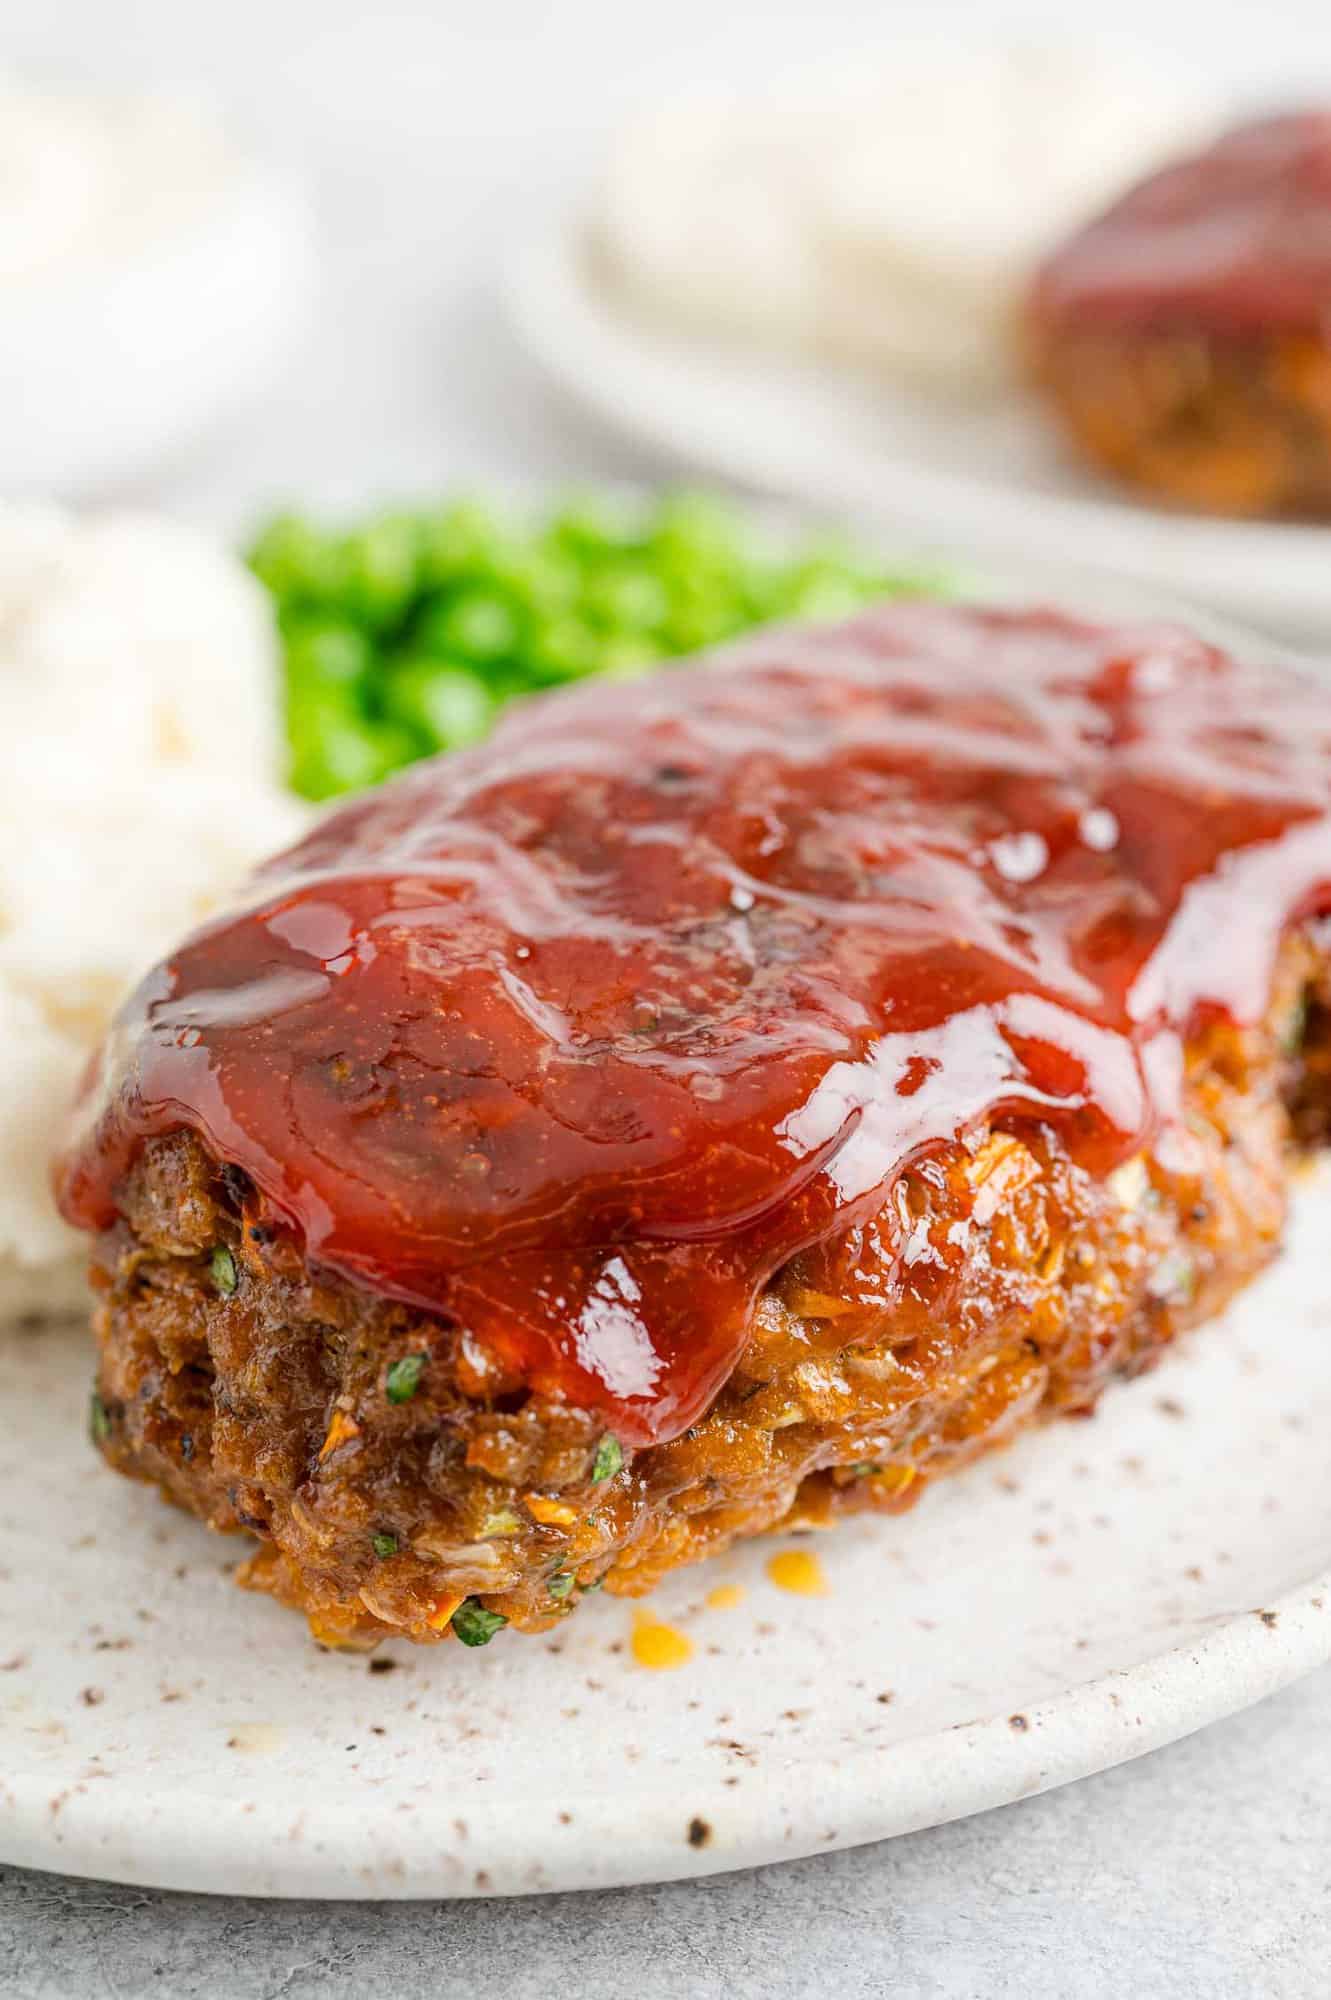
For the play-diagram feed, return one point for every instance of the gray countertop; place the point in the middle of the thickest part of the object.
(432, 137)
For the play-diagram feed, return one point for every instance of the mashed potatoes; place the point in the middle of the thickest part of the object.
(889, 215)
(139, 765)
(151, 271)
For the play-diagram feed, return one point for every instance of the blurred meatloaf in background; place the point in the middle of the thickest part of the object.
(727, 1099)
(1184, 336)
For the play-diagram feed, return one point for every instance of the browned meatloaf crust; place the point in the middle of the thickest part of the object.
(1182, 335)
(266, 1396)
(1230, 426)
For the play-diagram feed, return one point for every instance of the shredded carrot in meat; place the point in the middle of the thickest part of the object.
(340, 1430)
(894, 1478)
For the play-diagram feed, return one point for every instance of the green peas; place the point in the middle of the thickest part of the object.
(334, 749)
(327, 653)
(589, 529)
(477, 625)
(702, 613)
(459, 541)
(565, 649)
(625, 658)
(824, 589)
(545, 580)
(383, 562)
(694, 533)
(296, 562)
(625, 596)
(450, 706)
(407, 633)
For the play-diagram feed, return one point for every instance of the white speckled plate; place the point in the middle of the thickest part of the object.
(989, 475)
(1098, 1590)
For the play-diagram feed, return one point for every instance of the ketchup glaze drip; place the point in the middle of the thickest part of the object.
(1235, 239)
(577, 1037)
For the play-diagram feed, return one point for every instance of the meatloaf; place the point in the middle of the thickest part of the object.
(1184, 337)
(731, 1099)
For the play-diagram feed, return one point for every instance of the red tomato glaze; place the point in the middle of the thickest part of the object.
(1236, 239)
(575, 1038)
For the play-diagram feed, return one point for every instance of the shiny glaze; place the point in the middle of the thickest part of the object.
(1236, 239)
(577, 1037)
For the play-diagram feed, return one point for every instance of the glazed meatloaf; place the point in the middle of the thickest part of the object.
(1184, 337)
(726, 1100)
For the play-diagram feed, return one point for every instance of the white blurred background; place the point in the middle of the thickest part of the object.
(434, 138)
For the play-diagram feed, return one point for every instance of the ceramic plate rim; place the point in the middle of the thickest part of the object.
(1087, 1728)
(573, 332)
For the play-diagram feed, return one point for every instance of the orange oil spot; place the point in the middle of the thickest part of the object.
(725, 1597)
(798, 1571)
(550, 1513)
(658, 1645)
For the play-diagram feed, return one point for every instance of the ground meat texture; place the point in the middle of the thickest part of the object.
(720, 1100)
(398, 1481)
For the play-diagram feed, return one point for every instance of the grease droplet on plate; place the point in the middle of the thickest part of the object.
(798, 1571)
(250, 1737)
(725, 1597)
(658, 1645)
